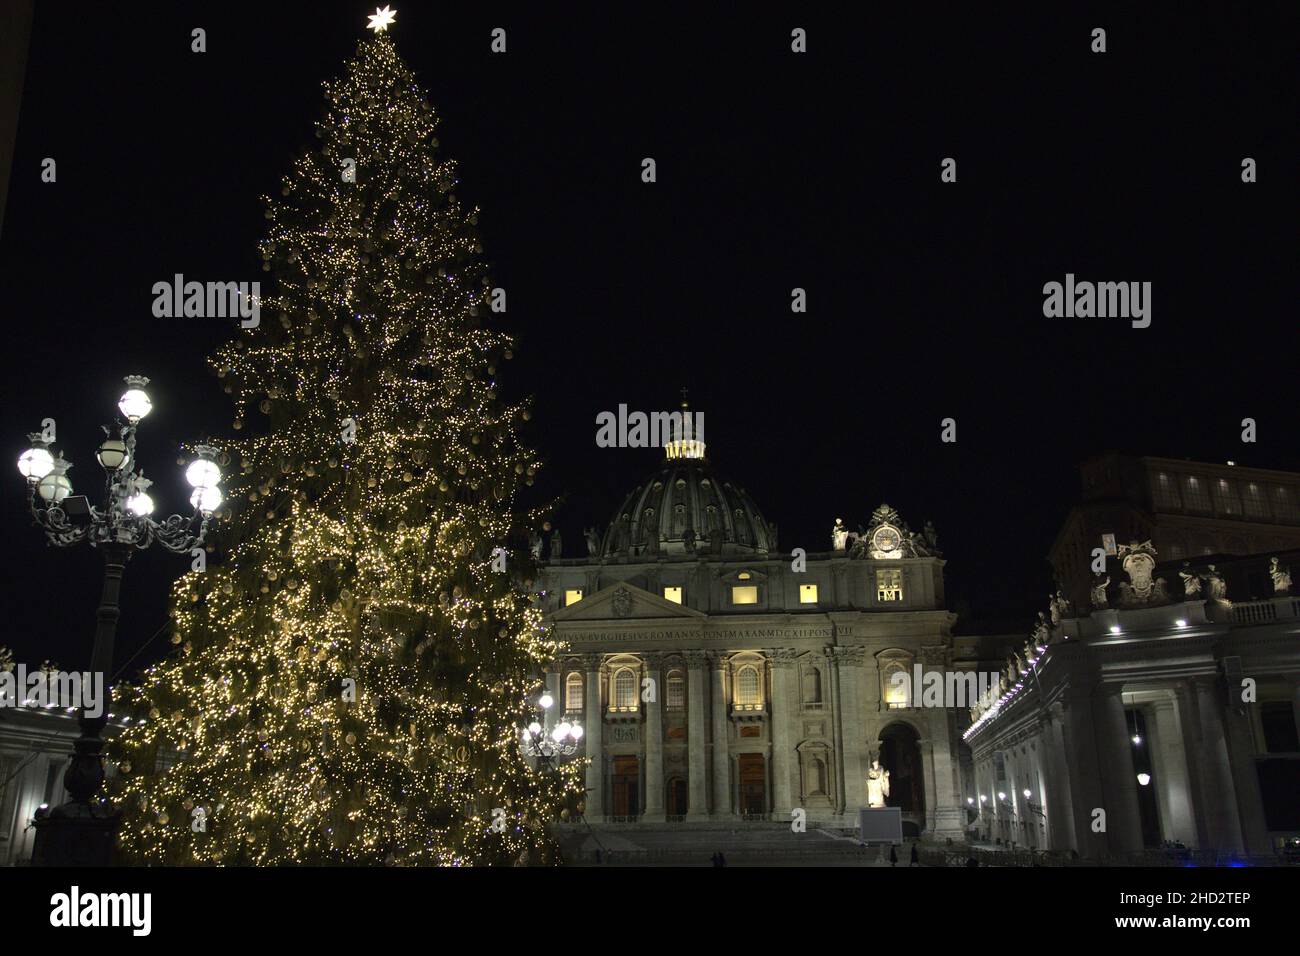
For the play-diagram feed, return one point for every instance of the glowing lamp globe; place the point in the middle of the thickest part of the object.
(562, 728)
(55, 486)
(203, 473)
(1144, 778)
(134, 403)
(112, 454)
(557, 735)
(576, 730)
(206, 500)
(139, 504)
(35, 463)
(546, 701)
(534, 728)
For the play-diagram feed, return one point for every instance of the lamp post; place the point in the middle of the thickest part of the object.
(80, 832)
(559, 741)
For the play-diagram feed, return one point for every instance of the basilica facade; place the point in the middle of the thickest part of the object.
(719, 679)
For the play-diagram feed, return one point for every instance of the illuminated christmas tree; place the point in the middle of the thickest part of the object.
(353, 666)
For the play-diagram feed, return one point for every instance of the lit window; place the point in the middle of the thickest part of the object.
(747, 687)
(747, 594)
(673, 594)
(573, 692)
(742, 576)
(889, 584)
(807, 594)
(896, 686)
(572, 596)
(625, 690)
(676, 691)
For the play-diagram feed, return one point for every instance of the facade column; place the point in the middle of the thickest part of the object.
(654, 743)
(848, 673)
(783, 717)
(721, 754)
(944, 818)
(553, 688)
(594, 738)
(925, 750)
(1118, 778)
(696, 723)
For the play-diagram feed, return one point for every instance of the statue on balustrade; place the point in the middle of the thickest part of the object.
(1281, 577)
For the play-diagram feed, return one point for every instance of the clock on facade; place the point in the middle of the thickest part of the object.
(886, 540)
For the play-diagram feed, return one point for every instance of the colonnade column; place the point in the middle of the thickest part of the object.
(1118, 778)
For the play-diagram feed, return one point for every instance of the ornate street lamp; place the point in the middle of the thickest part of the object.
(81, 831)
(560, 741)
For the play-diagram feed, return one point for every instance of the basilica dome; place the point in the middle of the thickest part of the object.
(686, 508)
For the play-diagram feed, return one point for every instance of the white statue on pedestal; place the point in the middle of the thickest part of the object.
(1281, 577)
(877, 784)
(839, 535)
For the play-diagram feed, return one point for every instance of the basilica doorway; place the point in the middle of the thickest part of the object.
(625, 788)
(900, 754)
(752, 771)
(677, 798)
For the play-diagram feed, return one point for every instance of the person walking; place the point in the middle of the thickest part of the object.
(916, 857)
(893, 855)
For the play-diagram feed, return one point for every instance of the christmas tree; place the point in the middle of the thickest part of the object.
(354, 665)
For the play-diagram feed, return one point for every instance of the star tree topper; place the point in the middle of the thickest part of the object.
(381, 19)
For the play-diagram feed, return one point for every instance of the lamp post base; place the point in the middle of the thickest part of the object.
(76, 834)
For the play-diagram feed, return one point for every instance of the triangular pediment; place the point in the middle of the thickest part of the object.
(625, 602)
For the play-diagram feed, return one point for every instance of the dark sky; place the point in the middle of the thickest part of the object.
(775, 171)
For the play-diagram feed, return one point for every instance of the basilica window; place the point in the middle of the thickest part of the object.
(673, 594)
(676, 691)
(748, 695)
(625, 690)
(1253, 500)
(1226, 493)
(573, 688)
(807, 594)
(1195, 494)
(813, 687)
(895, 682)
(889, 584)
(572, 596)
(1166, 491)
(1284, 507)
(744, 594)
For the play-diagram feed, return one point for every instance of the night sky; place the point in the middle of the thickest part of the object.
(775, 171)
